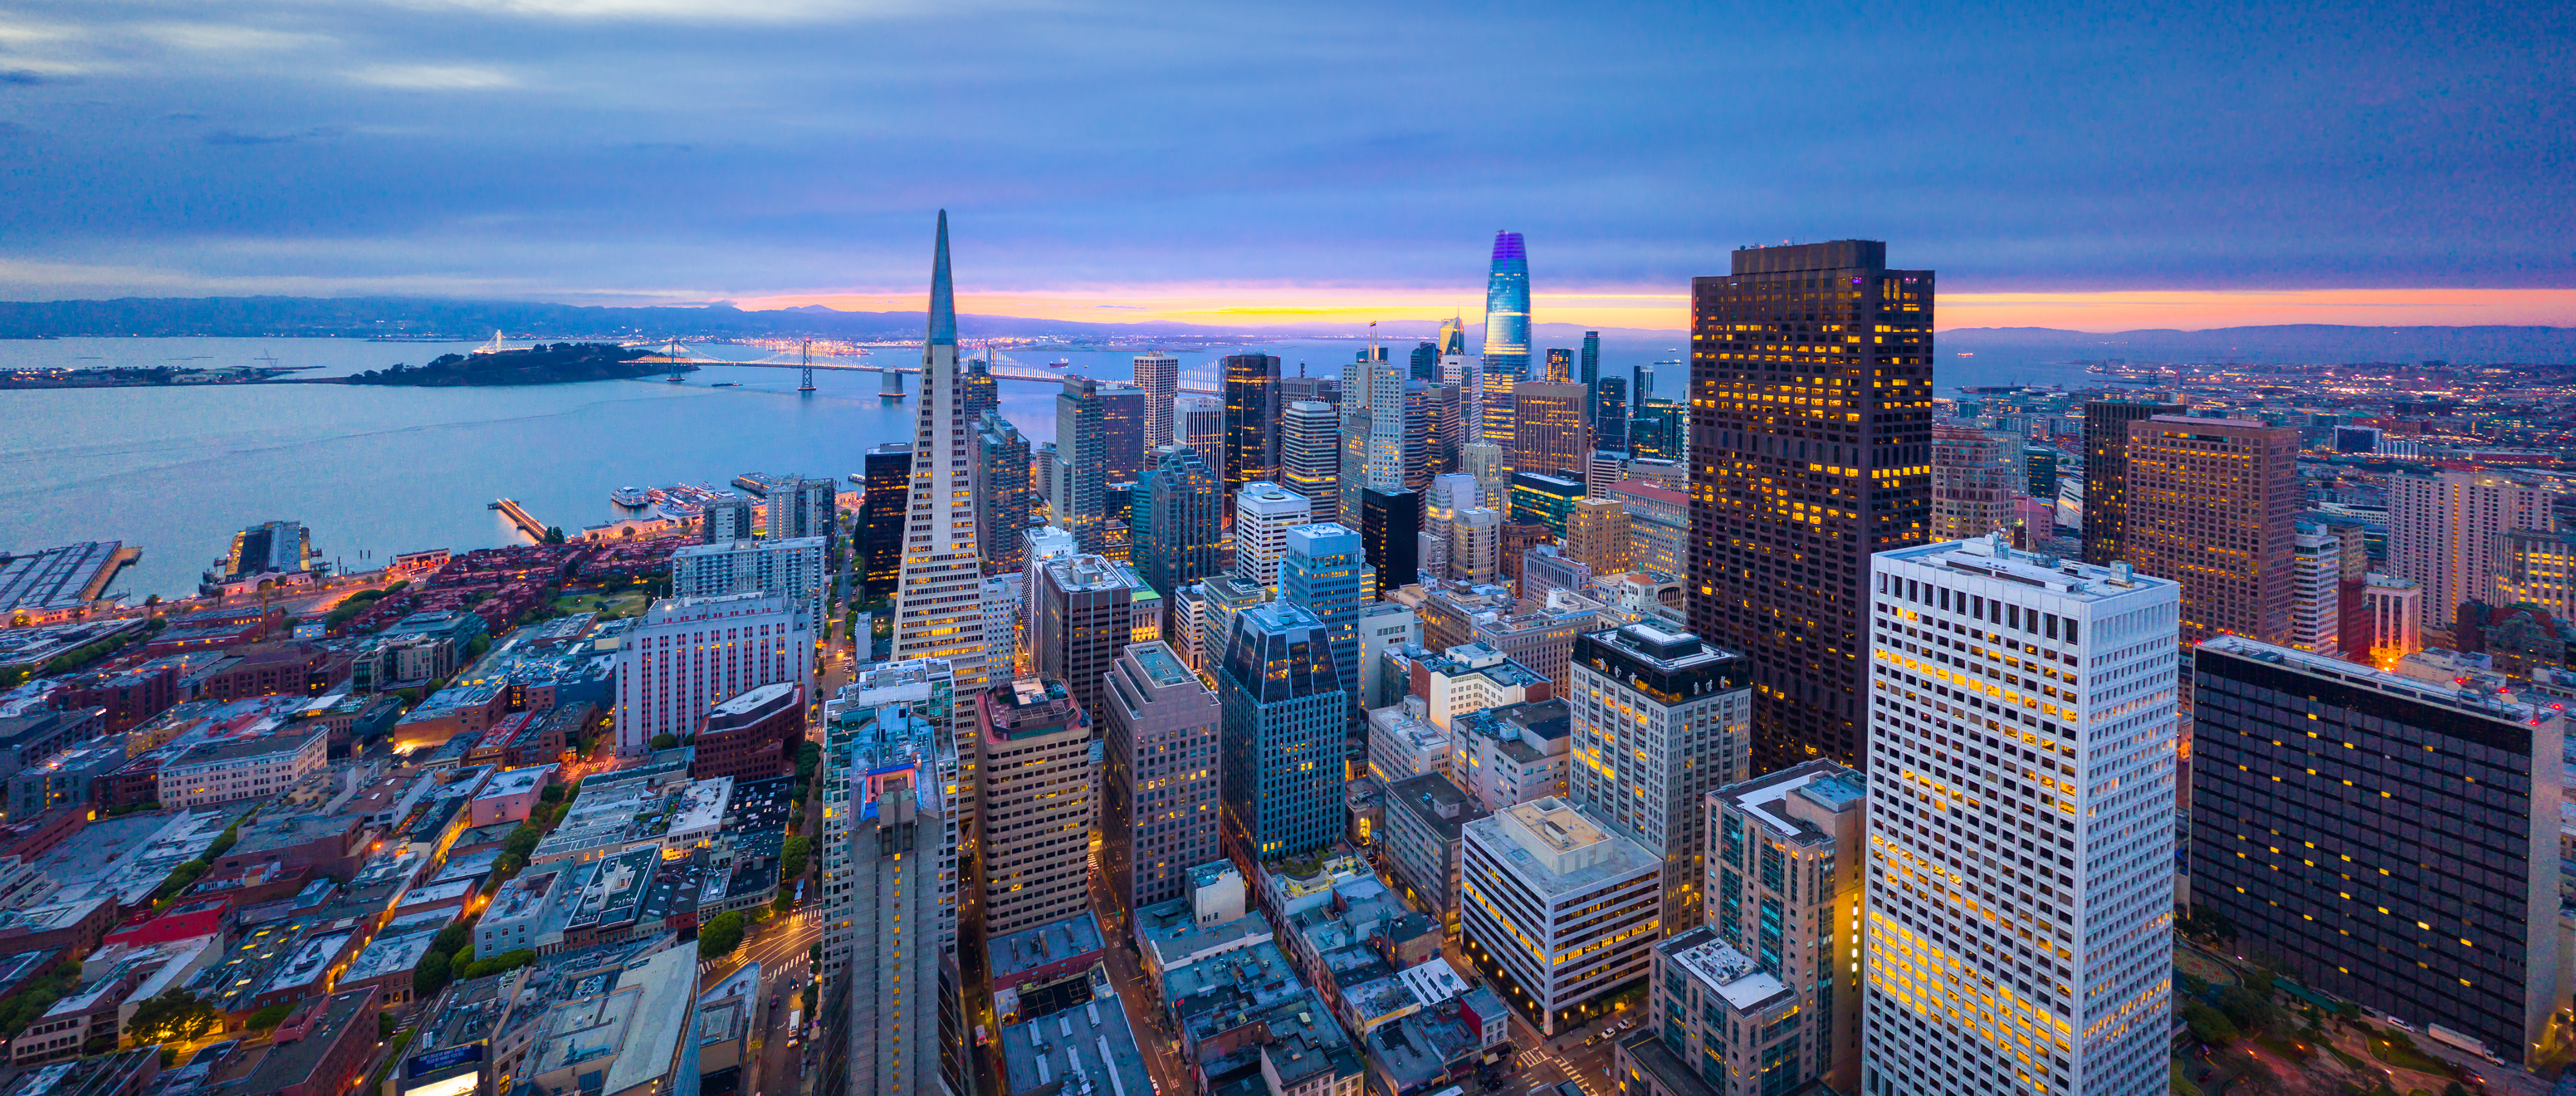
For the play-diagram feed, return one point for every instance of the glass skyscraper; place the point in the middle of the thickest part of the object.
(1284, 712)
(1507, 308)
(1326, 572)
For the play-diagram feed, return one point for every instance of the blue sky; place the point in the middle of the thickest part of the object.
(671, 150)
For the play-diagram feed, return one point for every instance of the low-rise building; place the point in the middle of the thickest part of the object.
(1041, 970)
(1557, 909)
(242, 768)
(1424, 817)
(509, 796)
(1088, 1048)
(631, 1032)
(1290, 1047)
(1716, 1024)
(1511, 755)
(752, 736)
(1403, 744)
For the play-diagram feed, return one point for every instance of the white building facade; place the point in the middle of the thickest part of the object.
(689, 654)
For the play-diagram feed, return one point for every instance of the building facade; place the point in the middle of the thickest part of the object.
(2198, 484)
(885, 501)
(1263, 514)
(2106, 473)
(1084, 610)
(2022, 769)
(1159, 375)
(1041, 761)
(794, 570)
(1785, 875)
(2446, 532)
(1310, 457)
(1657, 719)
(689, 654)
(1159, 724)
(1326, 573)
(1003, 489)
(1557, 910)
(1252, 419)
(1974, 474)
(1285, 716)
(1179, 520)
(1549, 432)
(939, 612)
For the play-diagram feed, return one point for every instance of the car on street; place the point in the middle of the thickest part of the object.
(1568, 1088)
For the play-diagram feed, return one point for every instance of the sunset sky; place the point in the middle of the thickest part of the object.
(2092, 168)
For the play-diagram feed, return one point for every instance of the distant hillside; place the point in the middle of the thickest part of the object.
(2329, 343)
(369, 317)
(561, 363)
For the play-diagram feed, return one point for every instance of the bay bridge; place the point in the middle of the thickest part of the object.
(1003, 368)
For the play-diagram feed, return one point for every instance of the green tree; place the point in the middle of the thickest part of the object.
(553, 793)
(721, 935)
(2251, 1014)
(461, 962)
(452, 939)
(2208, 1025)
(430, 976)
(554, 535)
(793, 858)
(384, 1026)
(271, 1016)
(501, 964)
(666, 741)
(175, 1016)
(522, 841)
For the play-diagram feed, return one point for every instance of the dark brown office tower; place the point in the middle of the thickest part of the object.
(976, 391)
(886, 499)
(1252, 410)
(1519, 537)
(2106, 472)
(1122, 424)
(2212, 504)
(1811, 448)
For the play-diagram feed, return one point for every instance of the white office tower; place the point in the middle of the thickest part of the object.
(1658, 720)
(2316, 600)
(1043, 543)
(800, 508)
(1199, 422)
(1603, 468)
(1159, 374)
(1485, 461)
(938, 608)
(889, 887)
(1001, 619)
(2021, 801)
(1310, 456)
(792, 569)
(1476, 546)
(690, 654)
(1263, 514)
(1449, 493)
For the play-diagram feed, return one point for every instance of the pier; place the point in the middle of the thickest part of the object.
(518, 515)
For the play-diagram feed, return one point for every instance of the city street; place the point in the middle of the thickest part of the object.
(782, 947)
(1172, 1075)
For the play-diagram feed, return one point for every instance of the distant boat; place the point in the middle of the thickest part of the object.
(726, 384)
(1967, 353)
(629, 497)
(1060, 363)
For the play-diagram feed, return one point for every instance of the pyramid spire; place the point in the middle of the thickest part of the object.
(943, 296)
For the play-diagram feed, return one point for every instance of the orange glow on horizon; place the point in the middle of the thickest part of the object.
(2109, 310)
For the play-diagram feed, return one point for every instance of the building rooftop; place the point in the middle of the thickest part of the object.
(1160, 663)
(1826, 783)
(389, 956)
(1992, 557)
(1053, 942)
(1437, 801)
(1724, 971)
(1076, 1050)
(1556, 849)
(2439, 694)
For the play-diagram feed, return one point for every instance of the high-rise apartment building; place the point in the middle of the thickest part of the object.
(1178, 521)
(2396, 617)
(1002, 490)
(1596, 535)
(1610, 413)
(2316, 563)
(1041, 765)
(1786, 870)
(1087, 447)
(2210, 503)
(801, 508)
(1083, 622)
(1657, 720)
(1263, 514)
(1446, 495)
(1557, 909)
(1497, 417)
(728, 519)
(2388, 842)
(1973, 476)
(1485, 461)
(1507, 308)
(2050, 691)
(889, 886)
(1326, 572)
(1476, 545)
(1390, 537)
(1286, 716)
(1601, 468)
(1425, 362)
(1252, 414)
(2446, 530)
(1810, 442)
(1550, 434)
(1159, 375)
(1199, 422)
(885, 501)
(2538, 567)
(938, 605)
(1159, 724)
(2106, 473)
(1310, 456)
(689, 654)
(789, 569)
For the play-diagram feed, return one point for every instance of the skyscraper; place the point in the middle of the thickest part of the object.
(1659, 429)
(1421, 435)
(1658, 720)
(1485, 461)
(1550, 435)
(2106, 472)
(1390, 528)
(1311, 457)
(1560, 366)
(2393, 843)
(2068, 839)
(1263, 514)
(981, 393)
(1596, 534)
(1588, 370)
(1973, 475)
(1251, 419)
(1159, 374)
(1811, 407)
(1326, 572)
(939, 610)
(1181, 521)
(883, 509)
(1199, 422)
(1042, 791)
(1082, 446)
(726, 519)
(1475, 546)
(1159, 725)
(1083, 622)
(2446, 531)
(1425, 364)
(1122, 424)
(1544, 499)
(2316, 605)
(1286, 714)
(1507, 308)
(1610, 413)
(788, 569)
(802, 508)
(2200, 484)
(1644, 389)
(1002, 490)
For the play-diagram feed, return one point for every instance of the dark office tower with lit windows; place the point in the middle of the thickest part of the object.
(2385, 840)
(1003, 493)
(1560, 365)
(1425, 366)
(1811, 448)
(1610, 414)
(1252, 410)
(885, 473)
(976, 390)
(2106, 473)
(1588, 368)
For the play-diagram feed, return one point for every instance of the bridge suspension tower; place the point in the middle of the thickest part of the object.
(805, 360)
